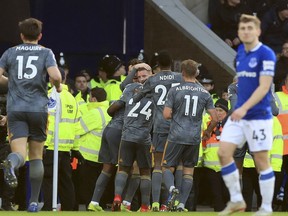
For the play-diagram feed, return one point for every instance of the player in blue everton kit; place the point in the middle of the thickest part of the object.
(251, 120)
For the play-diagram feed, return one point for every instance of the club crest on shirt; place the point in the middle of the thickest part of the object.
(51, 103)
(253, 62)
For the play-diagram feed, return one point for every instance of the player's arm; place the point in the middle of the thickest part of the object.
(146, 89)
(3, 79)
(259, 93)
(55, 76)
(167, 113)
(114, 107)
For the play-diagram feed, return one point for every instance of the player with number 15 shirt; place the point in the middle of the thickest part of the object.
(26, 67)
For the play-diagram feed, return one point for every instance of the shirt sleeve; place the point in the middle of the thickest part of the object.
(170, 98)
(50, 60)
(4, 60)
(268, 63)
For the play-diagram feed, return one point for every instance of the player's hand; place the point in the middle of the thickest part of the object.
(59, 89)
(142, 65)
(3, 120)
(236, 41)
(238, 114)
(229, 42)
(206, 135)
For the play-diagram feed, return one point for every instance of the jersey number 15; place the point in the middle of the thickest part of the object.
(28, 65)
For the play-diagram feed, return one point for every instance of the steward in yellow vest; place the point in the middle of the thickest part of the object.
(112, 72)
(92, 124)
(68, 120)
(282, 102)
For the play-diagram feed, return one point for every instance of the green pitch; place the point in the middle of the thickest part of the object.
(83, 213)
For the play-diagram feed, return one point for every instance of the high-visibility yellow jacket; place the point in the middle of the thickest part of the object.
(210, 149)
(248, 161)
(282, 102)
(93, 83)
(69, 118)
(92, 124)
(81, 103)
(276, 152)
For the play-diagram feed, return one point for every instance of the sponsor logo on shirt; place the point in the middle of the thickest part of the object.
(246, 74)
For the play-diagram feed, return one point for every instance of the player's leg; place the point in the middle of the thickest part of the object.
(108, 155)
(18, 134)
(158, 141)
(144, 161)
(171, 158)
(131, 187)
(259, 137)
(190, 154)
(126, 158)
(37, 131)
(232, 135)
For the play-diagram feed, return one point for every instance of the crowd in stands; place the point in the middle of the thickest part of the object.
(224, 16)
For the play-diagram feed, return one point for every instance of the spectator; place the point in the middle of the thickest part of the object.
(274, 26)
(281, 69)
(224, 16)
(260, 7)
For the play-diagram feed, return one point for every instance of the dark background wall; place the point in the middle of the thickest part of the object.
(84, 30)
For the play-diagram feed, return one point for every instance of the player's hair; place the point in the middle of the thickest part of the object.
(99, 93)
(31, 28)
(245, 18)
(190, 68)
(143, 68)
(164, 59)
(134, 61)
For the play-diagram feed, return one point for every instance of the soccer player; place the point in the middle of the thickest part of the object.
(184, 105)
(27, 65)
(110, 142)
(159, 85)
(135, 144)
(251, 120)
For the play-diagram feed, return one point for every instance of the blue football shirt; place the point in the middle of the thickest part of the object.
(259, 61)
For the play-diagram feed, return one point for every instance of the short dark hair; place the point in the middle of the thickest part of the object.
(80, 74)
(99, 93)
(164, 59)
(31, 28)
